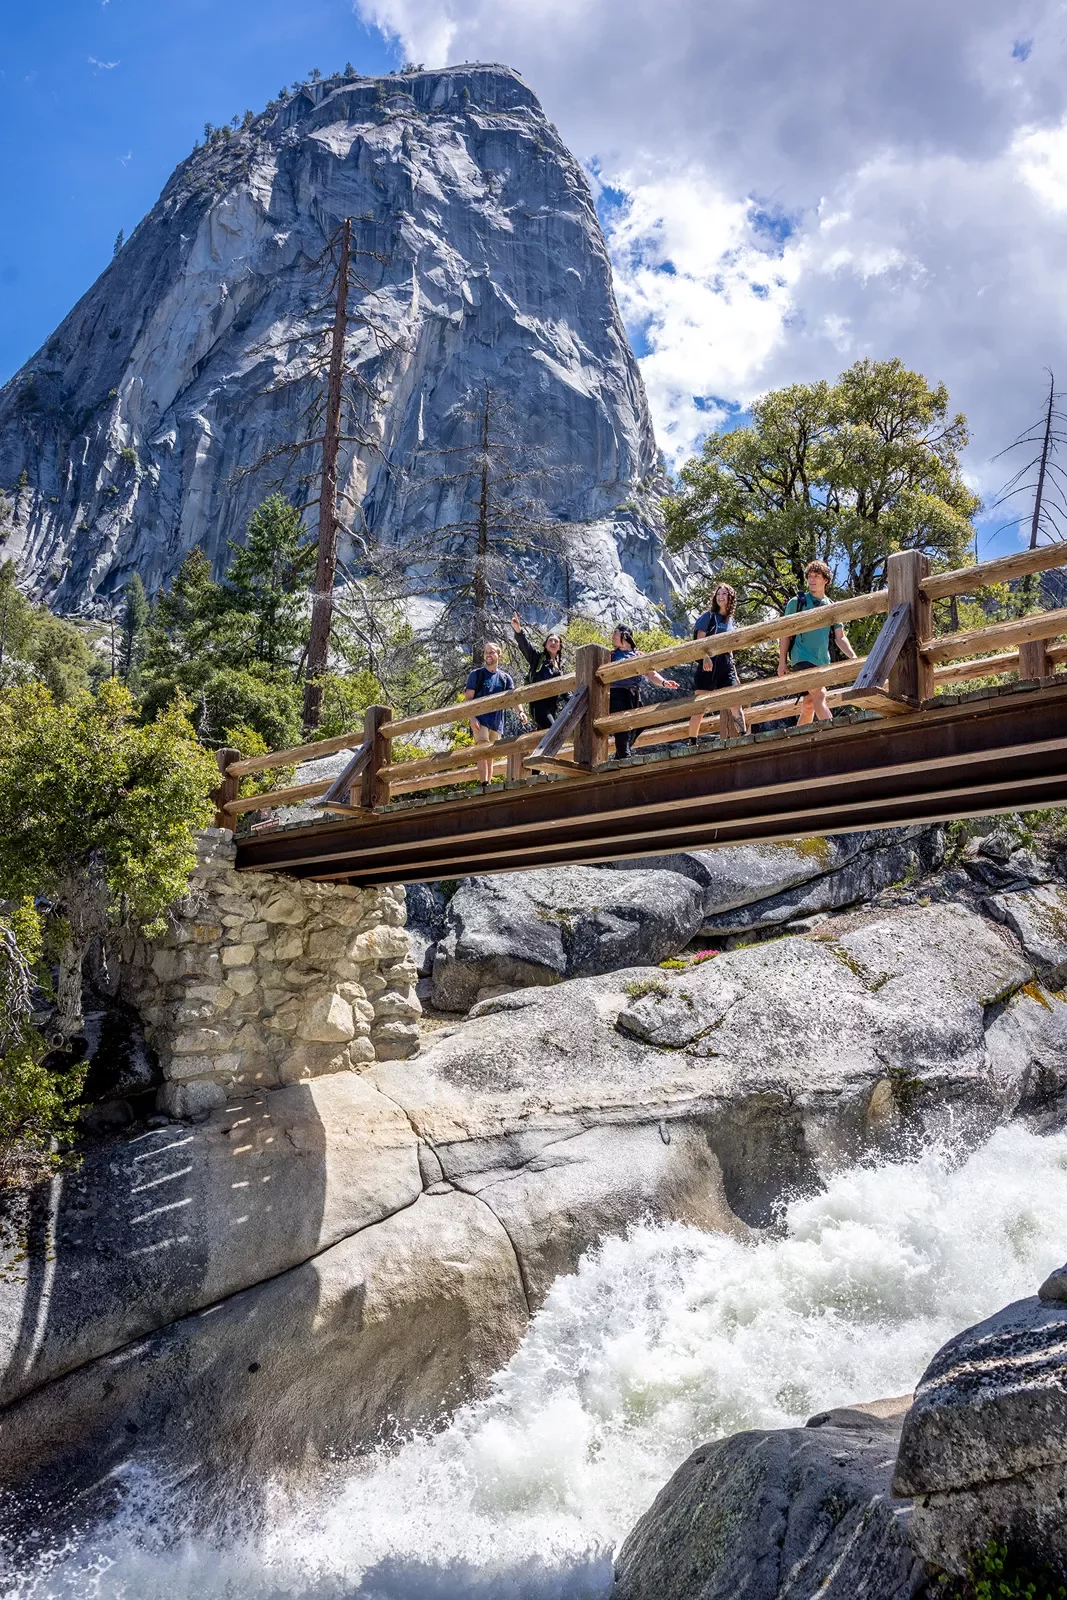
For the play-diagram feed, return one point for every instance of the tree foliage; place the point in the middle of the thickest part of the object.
(97, 816)
(38, 1103)
(36, 645)
(845, 472)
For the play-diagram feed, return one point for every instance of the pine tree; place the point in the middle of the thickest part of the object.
(120, 240)
(134, 622)
(267, 577)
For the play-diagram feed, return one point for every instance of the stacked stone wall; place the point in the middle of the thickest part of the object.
(262, 980)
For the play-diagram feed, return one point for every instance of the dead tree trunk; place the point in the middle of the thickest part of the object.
(480, 594)
(326, 565)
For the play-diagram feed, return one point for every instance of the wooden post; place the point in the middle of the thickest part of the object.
(1033, 660)
(912, 678)
(227, 789)
(373, 791)
(590, 747)
(515, 772)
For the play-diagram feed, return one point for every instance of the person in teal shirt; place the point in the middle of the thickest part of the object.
(812, 649)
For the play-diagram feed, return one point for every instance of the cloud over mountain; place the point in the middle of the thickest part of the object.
(790, 184)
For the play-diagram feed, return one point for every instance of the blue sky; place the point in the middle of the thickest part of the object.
(785, 186)
(86, 147)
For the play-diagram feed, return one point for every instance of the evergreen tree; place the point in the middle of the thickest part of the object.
(134, 621)
(120, 240)
(267, 578)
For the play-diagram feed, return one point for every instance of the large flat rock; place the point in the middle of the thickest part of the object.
(394, 1324)
(152, 1228)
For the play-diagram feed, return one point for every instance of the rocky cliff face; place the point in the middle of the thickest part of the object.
(479, 243)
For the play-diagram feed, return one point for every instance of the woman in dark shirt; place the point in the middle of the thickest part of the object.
(625, 693)
(719, 671)
(544, 664)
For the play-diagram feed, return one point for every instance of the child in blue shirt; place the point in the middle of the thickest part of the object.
(483, 681)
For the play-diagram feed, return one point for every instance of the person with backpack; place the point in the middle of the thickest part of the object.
(718, 672)
(813, 649)
(486, 680)
(544, 664)
(625, 693)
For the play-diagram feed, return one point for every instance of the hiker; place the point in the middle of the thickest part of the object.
(485, 680)
(625, 693)
(718, 672)
(544, 664)
(807, 650)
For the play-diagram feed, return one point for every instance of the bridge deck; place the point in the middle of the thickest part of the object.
(1003, 750)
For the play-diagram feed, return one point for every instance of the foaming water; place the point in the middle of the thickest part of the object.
(659, 1342)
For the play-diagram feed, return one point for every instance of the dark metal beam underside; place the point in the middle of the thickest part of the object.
(973, 759)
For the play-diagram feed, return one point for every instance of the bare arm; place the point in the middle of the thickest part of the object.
(658, 678)
(844, 644)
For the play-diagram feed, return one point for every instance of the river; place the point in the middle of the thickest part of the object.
(660, 1341)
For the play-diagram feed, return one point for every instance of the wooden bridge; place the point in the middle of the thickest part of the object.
(912, 749)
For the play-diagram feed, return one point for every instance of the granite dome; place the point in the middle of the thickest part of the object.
(486, 259)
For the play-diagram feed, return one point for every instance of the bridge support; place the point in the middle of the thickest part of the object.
(1033, 659)
(591, 747)
(912, 677)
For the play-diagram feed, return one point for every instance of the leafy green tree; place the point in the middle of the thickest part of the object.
(97, 816)
(36, 645)
(845, 472)
(38, 1105)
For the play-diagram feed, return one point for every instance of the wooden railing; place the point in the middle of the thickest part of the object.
(903, 671)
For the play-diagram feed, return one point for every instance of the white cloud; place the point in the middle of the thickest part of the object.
(918, 151)
(103, 66)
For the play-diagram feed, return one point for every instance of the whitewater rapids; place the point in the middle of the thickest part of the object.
(659, 1342)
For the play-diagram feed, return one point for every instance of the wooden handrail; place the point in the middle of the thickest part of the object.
(744, 694)
(297, 755)
(783, 627)
(1042, 625)
(275, 798)
(447, 760)
(965, 580)
(462, 710)
(928, 652)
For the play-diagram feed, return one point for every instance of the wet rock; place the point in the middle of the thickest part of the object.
(383, 1328)
(152, 1228)
(797, 1512)
(426, 908)
(1054, 1287)
(1038, 919)
(562, 922)
(984, 1447)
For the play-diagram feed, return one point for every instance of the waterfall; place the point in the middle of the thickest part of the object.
(660, 1341)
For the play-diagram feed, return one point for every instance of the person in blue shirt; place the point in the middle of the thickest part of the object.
(625, 693)
(718, 672)
(485, 680)
(812, 649)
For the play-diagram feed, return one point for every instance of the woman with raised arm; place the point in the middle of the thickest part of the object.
(543, 664)
(718, 671)
(625, 693)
